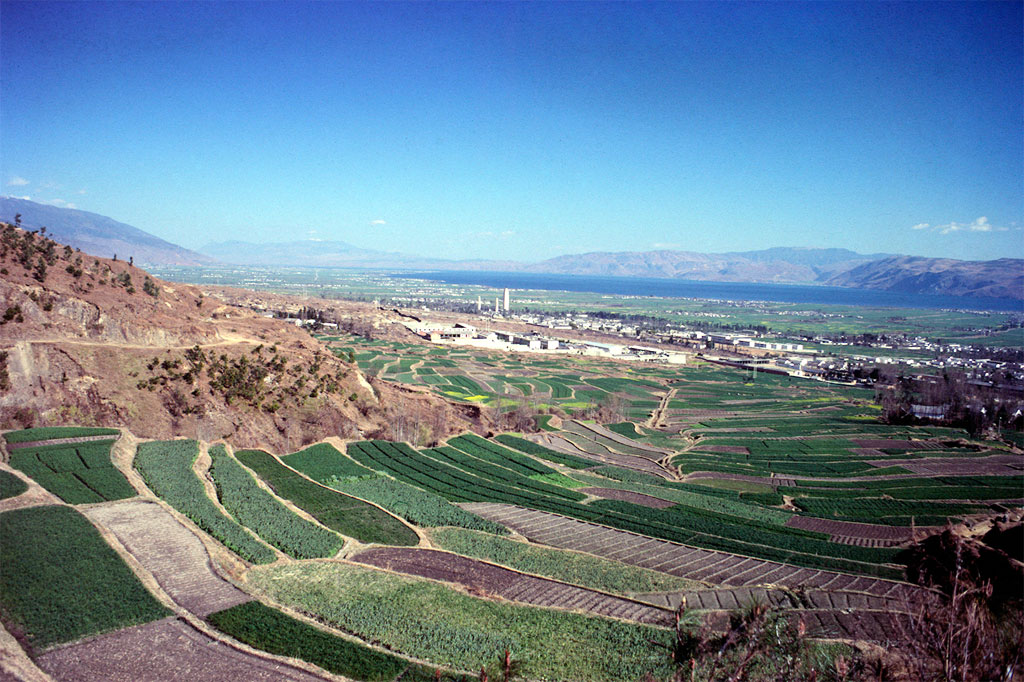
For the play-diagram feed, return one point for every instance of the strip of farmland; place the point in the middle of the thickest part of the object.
(628, 496)
(849, 529)
(175, 556)
(447, 472)
(167, 650)
(630, 446)
(732, 598)
(62, 441)
(604, 456)
(674, 558)
(480, 577)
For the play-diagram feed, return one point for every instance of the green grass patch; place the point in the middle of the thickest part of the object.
(478, 447)
(416, 506)
(166, 467)
(558, 479)
(54, 432)
(885, 511)
(544, 422)
(571, 567)
(427, 620)
(11, 485)
(465, 383)
(627, 429)
(733, 484)
(78, 473)
(323, 462)
(259, 510)
(277, 633)
(531, 448)
(1015, 437)
(339, 512)
(61, 581)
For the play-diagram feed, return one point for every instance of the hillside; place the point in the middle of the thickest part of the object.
(90, 340)
(771, 265)
(98, 235)
(1003, 278)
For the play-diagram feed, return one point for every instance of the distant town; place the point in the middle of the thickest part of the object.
(849, 359)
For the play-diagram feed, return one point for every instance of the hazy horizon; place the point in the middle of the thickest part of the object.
(524, 131)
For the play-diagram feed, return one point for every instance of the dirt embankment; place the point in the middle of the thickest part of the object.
(88, 340)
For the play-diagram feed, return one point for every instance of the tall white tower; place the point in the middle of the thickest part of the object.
(495, 305)
(479, 304)
(506, 299)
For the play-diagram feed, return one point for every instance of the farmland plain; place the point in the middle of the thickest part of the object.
(709, 486)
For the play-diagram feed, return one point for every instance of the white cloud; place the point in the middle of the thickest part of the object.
(665, 245)
(81, 191)
(59, 202)
(17, 181)
(979, 224)
(378, 221)
(508, 233)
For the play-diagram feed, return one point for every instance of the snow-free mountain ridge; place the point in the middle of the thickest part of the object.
(1003, 278)
(98, 235)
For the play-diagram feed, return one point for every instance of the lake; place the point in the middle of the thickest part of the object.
(730, 291)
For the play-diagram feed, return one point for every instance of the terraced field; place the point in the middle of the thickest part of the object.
(78, 471)
(858, 533)
(175, 557)
(723, 489)
(832, 604)
(583, 448)
(479, 577)
(342, 513)
(167, 650)
(498, 379)
(674, 558)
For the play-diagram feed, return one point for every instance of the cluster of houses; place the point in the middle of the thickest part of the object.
(469, 335)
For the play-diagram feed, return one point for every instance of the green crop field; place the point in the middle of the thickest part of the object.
(460, 477)
(322, 462)
(11, 485)
(496, 454)
(531, 448)
(55, 432)
(61, 581)
(415, 505)
(78, 473)
(166, 467)
(571, 567)
(260, 511)
(277, 633)
(424, 619)
(342, 513)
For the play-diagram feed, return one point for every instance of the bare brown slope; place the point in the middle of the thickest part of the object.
(1003, 278)
(90, 340)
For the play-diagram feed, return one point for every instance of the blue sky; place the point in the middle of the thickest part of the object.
(526, 130)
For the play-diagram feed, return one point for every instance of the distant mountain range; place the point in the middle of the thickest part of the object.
(98, 235)
(1003, 278)
(780, 264)
(335, 254)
